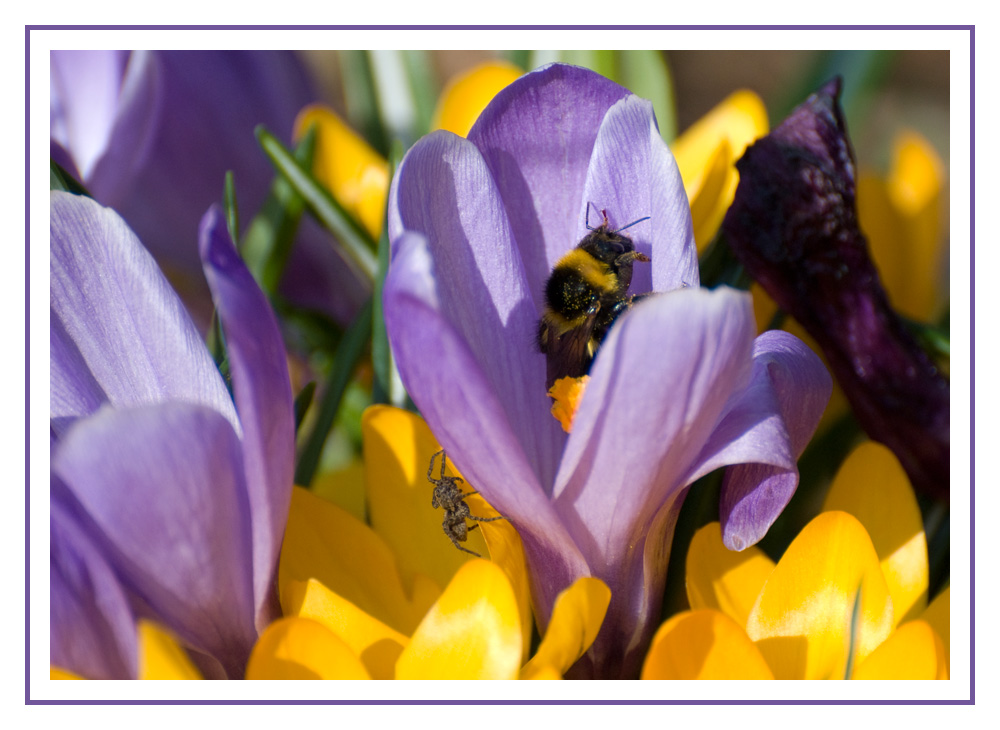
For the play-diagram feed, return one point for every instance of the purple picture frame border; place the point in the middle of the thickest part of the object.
(723, 702)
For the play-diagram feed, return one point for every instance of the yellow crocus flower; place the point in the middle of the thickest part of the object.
(706, 155)
(395, 599)
(847, 600)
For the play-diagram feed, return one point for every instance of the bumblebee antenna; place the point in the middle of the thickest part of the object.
(604, 213)
(633, 223)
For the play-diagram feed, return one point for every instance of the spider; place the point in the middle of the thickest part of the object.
(447, 494)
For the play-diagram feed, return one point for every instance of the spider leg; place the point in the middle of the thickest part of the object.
(484, 519)
(463, 549)
(430, 469)
(444, 462)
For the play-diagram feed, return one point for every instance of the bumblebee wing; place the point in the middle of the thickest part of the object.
(568, 353)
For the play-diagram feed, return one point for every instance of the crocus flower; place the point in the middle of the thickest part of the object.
(794, 226)
(160, 482)
(395, 599)
(152, 134)
(901, 214)
(847, 600)
(679, 388)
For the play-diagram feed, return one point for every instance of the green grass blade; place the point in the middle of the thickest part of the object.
(356, 242)
(352, 347)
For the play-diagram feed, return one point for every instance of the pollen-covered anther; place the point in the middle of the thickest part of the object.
(566, 394)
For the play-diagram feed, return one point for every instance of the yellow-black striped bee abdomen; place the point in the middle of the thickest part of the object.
(584, 296)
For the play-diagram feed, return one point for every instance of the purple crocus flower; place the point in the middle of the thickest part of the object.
(152, 134)
(794, 225)
(679, 388)
(161, 484)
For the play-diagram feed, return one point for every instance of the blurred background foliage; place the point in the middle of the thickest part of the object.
(883, 90)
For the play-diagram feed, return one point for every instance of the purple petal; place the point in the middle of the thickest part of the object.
(455, 397)
(183, 120)
(91, 627)
(658, 387)
(85, 86)
(633, 175)
(163, 489)
(73, 391)
(263, 395)
(536, 137)
(764, 434)
(113, 314)
(483, 294)
(178, 120)
(794, 225)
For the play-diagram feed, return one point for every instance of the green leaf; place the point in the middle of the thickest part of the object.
(647, 74)
(362, 102)
(354, 239)
(603, 62)
(269, 239)
(232, 211)
(852, 646)
(396, 103)
(424, 89)
(864, 73)
(302, 402)
(719, 267)
(352, 347)
(521, 59)
(387, 387)
(308, 330)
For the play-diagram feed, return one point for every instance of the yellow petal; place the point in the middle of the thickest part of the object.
(57, 673)
(737, 120)
(345, 487)
(398, 447)
(466, 95)
(724, 579)
(543, 673)
(324, 542)
(703, 644)
(377, 645)
(826, 604)
(707, 190)
(354, 173)
(902, 219)
(576, 618)
(300, 648)
(872, 486)
(160, 656)
(507, 552)
(913, 651)
(938, 615)
(472, 632)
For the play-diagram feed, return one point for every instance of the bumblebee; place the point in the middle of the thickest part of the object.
(584, 296)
